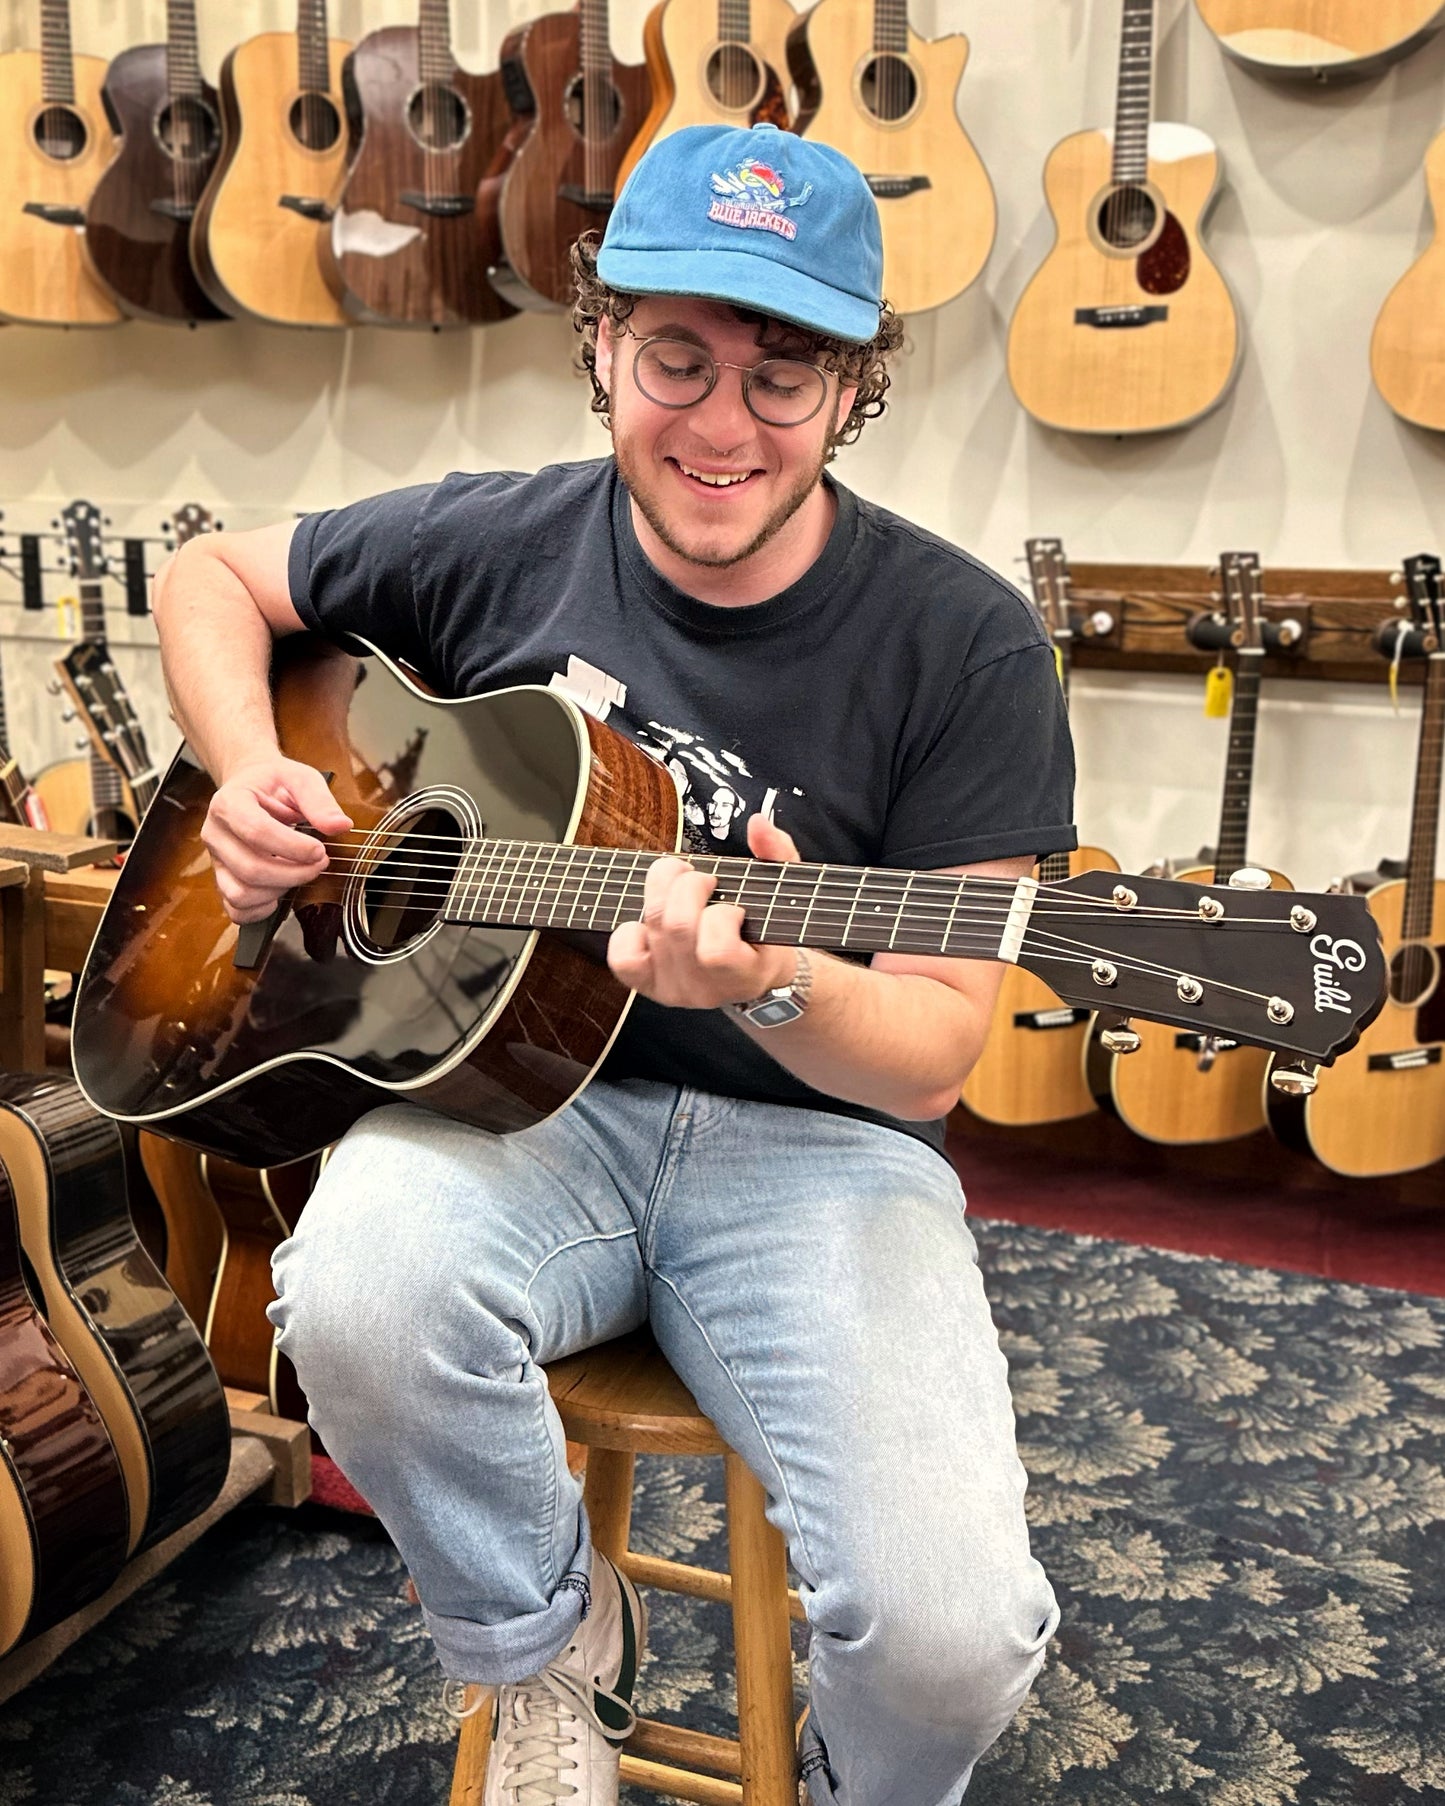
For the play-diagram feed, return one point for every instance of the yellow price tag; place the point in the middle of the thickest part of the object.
(1218, 693)
(1059, 662)
(67, 617)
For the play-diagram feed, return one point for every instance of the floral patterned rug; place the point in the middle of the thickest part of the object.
(1237, 1489)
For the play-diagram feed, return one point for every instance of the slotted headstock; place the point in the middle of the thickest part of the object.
(1422, 591)
(85, 541)
(1242, 588)
(1049, 579)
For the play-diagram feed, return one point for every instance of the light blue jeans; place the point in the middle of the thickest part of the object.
(812, 1280)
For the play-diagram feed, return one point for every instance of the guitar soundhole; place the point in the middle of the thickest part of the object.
(1414, 974)
(592, 112)
(888, 87)
(187, 129)
(1127, 218)
(60, 133)
(438, 117)
(315, 121)
(734, 77)
(404, 890)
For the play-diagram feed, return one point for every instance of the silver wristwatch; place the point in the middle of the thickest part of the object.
(784, 1004)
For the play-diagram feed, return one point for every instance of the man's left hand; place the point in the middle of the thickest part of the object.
(687, 951)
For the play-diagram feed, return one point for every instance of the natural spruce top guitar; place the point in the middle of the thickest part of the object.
(450, 953)
(1319, 39)
(1127, 327)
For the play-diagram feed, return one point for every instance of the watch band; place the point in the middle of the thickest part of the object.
(785, 1003)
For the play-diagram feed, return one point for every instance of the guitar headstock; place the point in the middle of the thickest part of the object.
(85, 541)
(1289, 970)
(94, 686)
(189, 521)
(1243, 589)
(1049, 578)
(1422, 590)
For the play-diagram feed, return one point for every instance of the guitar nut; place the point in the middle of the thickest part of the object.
(1124, 897)
(1278, 1009)
(1104, 973)
(1211, 909)
(1302, 920)
(1190, 990)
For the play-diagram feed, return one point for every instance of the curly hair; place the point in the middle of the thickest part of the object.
(865, 365)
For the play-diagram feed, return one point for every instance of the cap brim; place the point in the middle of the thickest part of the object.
(746, 280)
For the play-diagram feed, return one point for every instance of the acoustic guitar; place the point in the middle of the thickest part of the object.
(138, 220)
(19, 800)
(407, 245)
(1407, 351)
(258, 232)
(1384, 1110)
(140, 1356)
(1318, 40)
(1196, 1086)
(1127, 327)
(576, 111)
(61, 144)
(453, 952)
(64, 1523)
(872, 88)
(1031, 1069)
(713, 62)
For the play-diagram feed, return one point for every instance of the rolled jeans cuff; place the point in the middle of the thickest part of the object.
(492, 1654)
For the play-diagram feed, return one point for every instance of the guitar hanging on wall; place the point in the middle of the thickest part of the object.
(1031, 1069)
(1407, 350)
(416, 964)
(872, 88)
(1127, 327)
(1189, 1087)
(1384, 1109)
(138, 220)
(1318, 40)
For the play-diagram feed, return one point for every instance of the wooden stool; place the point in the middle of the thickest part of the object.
(620, 1401)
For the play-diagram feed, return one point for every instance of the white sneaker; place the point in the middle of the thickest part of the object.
(556, 1736)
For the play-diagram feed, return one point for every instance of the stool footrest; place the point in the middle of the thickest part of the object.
(675, 1743)
(700, 1790)
(699, 1583)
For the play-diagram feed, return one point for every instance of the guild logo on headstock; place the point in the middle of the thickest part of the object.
(1332, 958)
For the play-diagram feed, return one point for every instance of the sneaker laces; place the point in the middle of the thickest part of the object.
(532, 1740)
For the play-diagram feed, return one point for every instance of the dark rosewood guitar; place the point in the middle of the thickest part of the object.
(138, 1353)
(577, 110)
(1031, 1069)
(407, 244)
(1384, 1110)
(415, 967)
(138, 220)
(1184, 1088)
(64, 1526)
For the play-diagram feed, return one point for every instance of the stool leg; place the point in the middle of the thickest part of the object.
(469, 1777)
(757, 1560)
(607, 1495)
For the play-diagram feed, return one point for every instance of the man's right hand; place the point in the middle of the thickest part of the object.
(250, 833)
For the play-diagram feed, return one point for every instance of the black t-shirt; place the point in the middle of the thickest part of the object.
(896, 706)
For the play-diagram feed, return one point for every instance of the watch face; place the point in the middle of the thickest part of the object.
(775, 1012)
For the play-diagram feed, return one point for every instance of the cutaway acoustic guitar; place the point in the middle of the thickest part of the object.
(1031, 1069)
(1127, 327)
(1319, 40)
(872, 88)
(1407, 351)
(454, 951)
(1384, 1108)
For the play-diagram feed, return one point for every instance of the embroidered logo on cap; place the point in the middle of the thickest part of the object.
(751, 197)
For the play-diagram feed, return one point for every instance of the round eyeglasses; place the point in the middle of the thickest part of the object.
(780, 391)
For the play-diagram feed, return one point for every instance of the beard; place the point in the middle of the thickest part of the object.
(635, 476)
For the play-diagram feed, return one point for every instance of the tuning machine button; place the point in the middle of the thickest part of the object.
(1104, 973)
(1211, 909)
(1280, 1011)
(67, 714)
(1119, 1038)
(81, 745)
(1297, 1080)
(1302, 920)
(1190, 990)
(1249, 877)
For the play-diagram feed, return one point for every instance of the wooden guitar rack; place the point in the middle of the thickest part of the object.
(1338, 612)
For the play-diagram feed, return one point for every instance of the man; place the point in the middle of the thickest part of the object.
(757, 1170)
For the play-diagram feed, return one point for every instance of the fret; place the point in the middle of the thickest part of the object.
(890, 26)
(92, 613)
(486, 884)
(818, 884)
(596, 49)
(1134, 100)
(57, 62)
(902, 905)
(1053, 868)
(734, 21)
(183, 57)
(1425, 813)
(313, 68)
(434, 42)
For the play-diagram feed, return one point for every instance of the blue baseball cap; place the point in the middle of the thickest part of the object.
(755, 216)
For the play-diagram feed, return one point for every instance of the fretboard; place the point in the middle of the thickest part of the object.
(890, 26)
(1135, 94)
(313, 70)
(183, 58)
(846, 909)
(1233, 837)
(1054, 867)
(734, 21)
(596, 58)
(434, 57)
(1425, 816)
(105, 784)
(57, 65)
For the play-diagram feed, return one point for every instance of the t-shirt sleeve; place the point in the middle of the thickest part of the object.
(997, 777)
(352, 571)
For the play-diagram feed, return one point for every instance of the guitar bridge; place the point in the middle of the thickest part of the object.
(1409, 1059)
(1064, 1017)
(55, 215)
(443, 206)
(895, 188)
(309, 206)
(587, 198)
(1114, 318)
(177, 210)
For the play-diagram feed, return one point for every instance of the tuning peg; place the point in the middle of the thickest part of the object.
(1118, 1037)
(1249, 877)
(1296, 1081)
(1398, 579)
(54, 687)
(67, 714)
(81, 745)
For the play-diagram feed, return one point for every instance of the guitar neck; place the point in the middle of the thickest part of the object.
(1233, 836)
(313, 68)
(434, 55)
(1055, 866)
(57, 62)
(734, 21)
(183, 59)
(1425, 816)
(1134, 104)
(596, 46)
(890, 26)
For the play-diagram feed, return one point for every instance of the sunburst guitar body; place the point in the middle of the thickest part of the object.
(1407, 352)
(701, 75)
(1031, 1069)
(58, 152)
(1127, 327)
(1317, 40)
(256, 239)
(870, 87)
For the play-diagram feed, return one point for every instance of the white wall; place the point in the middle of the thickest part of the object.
(1323, 209)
